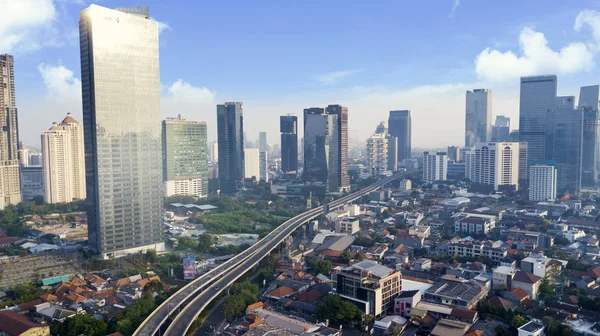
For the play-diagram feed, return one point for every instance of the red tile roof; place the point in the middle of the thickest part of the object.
(30, 304)
(310, 296)
(497, 301)
(525, 277)
(281, 292)
(15, 324)
(519, 293)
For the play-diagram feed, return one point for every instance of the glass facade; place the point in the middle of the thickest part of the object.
(121, 114)
(288, 126)
(230, 127)
(399, 126)
(185, 151)
(537, 97)
(478, 119)
(321, 148)
(590, 158)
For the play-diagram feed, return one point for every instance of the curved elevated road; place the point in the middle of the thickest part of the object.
(256, 252)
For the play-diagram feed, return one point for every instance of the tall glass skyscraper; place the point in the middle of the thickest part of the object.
(478, 118)
(120, 83)
(342, 168)
(399, 126)
(185, 157)
(537, 97)
(564, 136)
(230, 127)
(288, 126)
(590, 155)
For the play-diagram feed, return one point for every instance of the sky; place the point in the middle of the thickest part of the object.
(279, 57)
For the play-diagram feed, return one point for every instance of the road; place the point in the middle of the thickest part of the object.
(259, 250)
(213, 322)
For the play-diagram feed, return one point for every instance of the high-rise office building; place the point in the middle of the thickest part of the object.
(288, 126)
(120, 82)
(392, 153)
(590, 153)
(493, 163)
(399, 126)
(10, 185)
(564, 143)
(501, 129)
(454, 153)
(523, 164)
(478, 117)
(185, 157)
(377, 154)
(64, 162)
(263, 166)
(537, 97)
(323, 161)
(230, 126)
(263, 146)
(542, 181)
(342, 168)
(435, 166)
(252, 163)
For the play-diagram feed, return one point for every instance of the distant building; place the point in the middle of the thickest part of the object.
(23, 155)
(454, 153)
(230, 127)
(377, 154)
(347, 225)
(542, 181)
(400, 126)
(494, 163)
(405, 185)
(252, 163)
(501, 129)
(478, 119)
(474, 223)
(471, 250)
(288, 126)
(590, 153)
(32, 182)
(263, 146)
(64, 162)
(456, 292)
(185, 157)
(435, 166)
(263, 166)
(369, 285)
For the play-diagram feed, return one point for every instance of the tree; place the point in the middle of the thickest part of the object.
(338, 311)
(561, 241)
(152, 256)
(186, 243)
(80, 324)
(553, 327)
(233, 306)
(346, 257)
(517, 321)
(204, 243)
(501, 330)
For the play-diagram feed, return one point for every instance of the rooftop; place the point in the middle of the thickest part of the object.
(372, 267)
(15, 324)
(532, 326)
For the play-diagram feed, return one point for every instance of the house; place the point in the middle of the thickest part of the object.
(414, 218)
(404, 303)
(456, 292)
(13, 324)
(502, 277)
(450, 328)
(474, 223)
(499, 302)
(532, 328)
(585, 282)
(530, 283)
(422, 265)
(280, 293)
(420, 230)
(387, 324)
(516, 296)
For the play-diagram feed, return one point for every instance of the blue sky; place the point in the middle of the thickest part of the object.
(281, 56)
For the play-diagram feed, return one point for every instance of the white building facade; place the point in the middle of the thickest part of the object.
(252, 163)
(435, 166)
(493, 163)
(63, 162)
(377, 154)
(542, 182)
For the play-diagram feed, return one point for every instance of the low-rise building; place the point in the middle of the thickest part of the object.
(502, 277)
(474, 223)
(13, 324)
(450, 328)
(422, 265)
(531, 328)
(553, 209)
(406, 301)
(414, 218)
(542, 266)
(405, 185)
(369, 285)
(456, 292)
(573, 234)
(420, 230)
(475, 249)
(528, 282)
(348, 225)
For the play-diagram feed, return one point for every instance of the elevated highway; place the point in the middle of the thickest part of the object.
(192, 299)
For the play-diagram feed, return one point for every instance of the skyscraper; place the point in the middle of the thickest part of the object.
(120, 83)
(10, 185)
(501, 129)
(493, 163)
(263, 166)
(185, 157)
(454, 153)
(252, 163)
(288, 126)
(435, 166)
(321, 146)
(478, 117)
(23, 154)
(263, 146)
(377, 154)
(590, 154)
(64, 162)
(399, 126)
(230, 126)
(564, 143)
(537, 97)
(342, 168)
(214, 152)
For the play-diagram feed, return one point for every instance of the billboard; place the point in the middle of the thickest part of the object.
(189, 268)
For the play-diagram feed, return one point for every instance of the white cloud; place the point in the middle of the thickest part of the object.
(455, 4)
(25, 24)
(336, 76)
(162, 26)
(60, 82)
(536, 57)
(196, 103)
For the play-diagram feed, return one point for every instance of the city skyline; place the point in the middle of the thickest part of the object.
(48, 74)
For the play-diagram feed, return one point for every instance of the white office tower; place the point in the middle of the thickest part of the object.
(377, 154)
(435, 166)
(214, 152)
(493, 163)
(542, 181)
(63, 162)
(478, 118)
(252, 163)
(23, 155)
